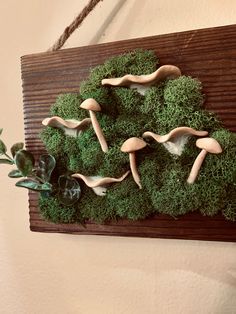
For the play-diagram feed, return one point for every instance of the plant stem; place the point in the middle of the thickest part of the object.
(37, 178)
(9, 157)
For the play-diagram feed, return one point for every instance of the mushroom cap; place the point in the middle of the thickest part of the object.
(177, 132)
(95, 181)
(90, 104)
(58, 122)
(133, 144)
(164, 72)
(209, 144)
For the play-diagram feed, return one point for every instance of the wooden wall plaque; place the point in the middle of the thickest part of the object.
(207, 54)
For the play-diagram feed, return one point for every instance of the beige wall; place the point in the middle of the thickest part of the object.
(65, 274)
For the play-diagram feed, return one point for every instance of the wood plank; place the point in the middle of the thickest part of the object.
(207, 54)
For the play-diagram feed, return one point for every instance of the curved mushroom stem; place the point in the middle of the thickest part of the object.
(134, 169)
(196, 166)
(98, 131)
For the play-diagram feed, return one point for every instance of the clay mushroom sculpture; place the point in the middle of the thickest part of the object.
(176, 139)
(92, 106)
(130, 146)
(70, 127)
(208, 145)
(143, 82)
(97, 183)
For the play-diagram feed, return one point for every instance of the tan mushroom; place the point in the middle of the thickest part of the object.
(142, 82)
(130, 146)
(176, 139)
(97, 183)
(71, 127)
(91, 105)
(208, 145)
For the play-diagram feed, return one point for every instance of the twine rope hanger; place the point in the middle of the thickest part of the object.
(74, 25)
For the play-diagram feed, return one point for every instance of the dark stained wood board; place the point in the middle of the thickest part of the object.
(207, 54)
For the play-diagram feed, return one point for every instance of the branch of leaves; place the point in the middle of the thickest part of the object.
(38, 179)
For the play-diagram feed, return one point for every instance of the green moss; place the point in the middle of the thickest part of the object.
(107, 124)
(229, 212)
(222, 167)
(179, 104)
(127, 100)
(86, 137)
(175, 197)
(74, 164)
(226, 139)
(72, 151)
(212, 196)
(95, 208)
(125, 113)
(128, 201)
(153, 101)
(136, 62)
(67, 107)
(150, 171)
(115, 163)
(98, 92)
(91, 156)
(203, 120)
(129, 126)
(184, 92)
(52, 210)
(170, 117)
(53, 139)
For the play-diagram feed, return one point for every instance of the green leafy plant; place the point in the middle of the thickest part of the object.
(3, 152)
(39, 178)
(69, 190)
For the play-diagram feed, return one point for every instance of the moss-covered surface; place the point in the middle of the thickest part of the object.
(126, 113)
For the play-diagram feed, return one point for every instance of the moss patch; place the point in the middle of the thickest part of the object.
(52, 210)
(126, 113)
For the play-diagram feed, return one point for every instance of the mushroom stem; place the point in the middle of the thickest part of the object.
(98, 131)
(134, 170)
(196, 166)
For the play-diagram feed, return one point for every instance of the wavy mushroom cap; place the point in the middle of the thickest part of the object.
(58, 122)
(94, 181)
(164, 72)
(209, 144)
(133, 144)
(177, 132)
(90, 104)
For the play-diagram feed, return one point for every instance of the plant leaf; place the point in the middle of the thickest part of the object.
(15, 148)
(15, 174)
(6, 161)
(47, 164)
(45, 194)
(32, 185)
(47, 186)
(3, 148)
(1, 131)
(24, 161)
(69, 190)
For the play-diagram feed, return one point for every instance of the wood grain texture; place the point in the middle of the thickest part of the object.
(207, 54)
